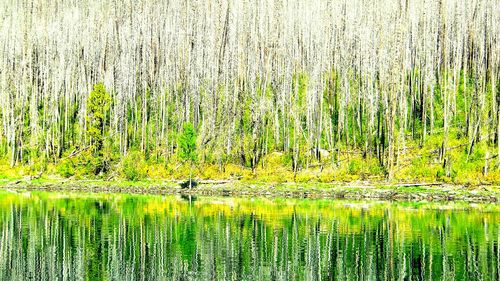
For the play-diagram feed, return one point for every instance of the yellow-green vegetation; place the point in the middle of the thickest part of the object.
(417, 163)
(133, 166)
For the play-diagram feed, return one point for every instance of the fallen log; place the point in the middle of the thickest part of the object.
(417, 184)
(204, 181)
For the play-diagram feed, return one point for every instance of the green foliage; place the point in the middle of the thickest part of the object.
(374, 168)
(354, 167)
(65, 168)
(421, 170)
(288, 160)
(187, 144)
(133, 166)
(98, 105)
(187, 147)
(87, 164)
(40, 164)
(302, 81)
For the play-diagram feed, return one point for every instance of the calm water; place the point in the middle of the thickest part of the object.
(50, 236)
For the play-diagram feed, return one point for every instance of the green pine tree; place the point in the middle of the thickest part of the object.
(98, 105)
(187, 147)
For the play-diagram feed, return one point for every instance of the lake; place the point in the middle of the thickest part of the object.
(71, 236)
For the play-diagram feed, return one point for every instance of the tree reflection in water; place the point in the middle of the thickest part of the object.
(50, 236)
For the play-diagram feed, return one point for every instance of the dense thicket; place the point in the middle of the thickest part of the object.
(252, 77)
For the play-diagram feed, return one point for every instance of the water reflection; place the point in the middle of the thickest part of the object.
(50, 236)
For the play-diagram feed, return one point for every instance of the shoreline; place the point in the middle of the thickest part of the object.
(418, 192)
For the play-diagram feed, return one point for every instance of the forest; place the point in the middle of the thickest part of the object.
(270, 90)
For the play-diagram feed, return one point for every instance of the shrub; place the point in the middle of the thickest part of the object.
(158, 171)
(40, 164)
(65, 168)
(354, 167)
(133, 166)
(86, 164)
(375, 169)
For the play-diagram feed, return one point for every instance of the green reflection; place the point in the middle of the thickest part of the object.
(50, 236)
